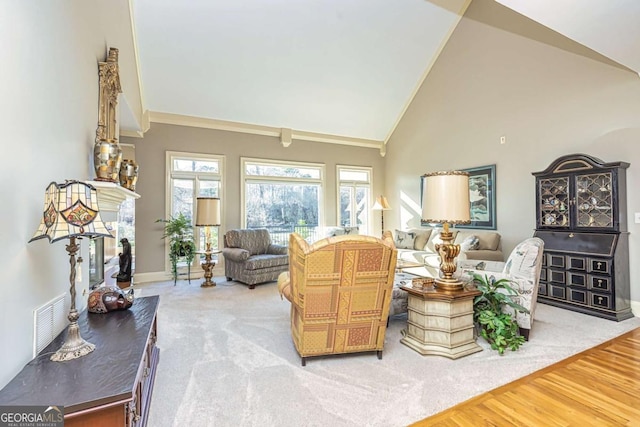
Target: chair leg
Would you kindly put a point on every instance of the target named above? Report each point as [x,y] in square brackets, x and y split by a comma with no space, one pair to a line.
[379,354]
[304,361]
[525,333]
[252,286]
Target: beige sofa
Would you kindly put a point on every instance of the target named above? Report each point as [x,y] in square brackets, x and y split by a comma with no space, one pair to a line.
[418,245]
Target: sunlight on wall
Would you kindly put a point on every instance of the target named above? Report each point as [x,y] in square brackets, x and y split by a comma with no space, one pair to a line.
[410,211]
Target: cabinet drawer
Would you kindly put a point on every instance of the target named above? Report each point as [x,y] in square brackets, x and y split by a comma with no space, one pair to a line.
[600,283]
[556,291]
[543,274]
[578,295]
[576,263]
[542,288]
[597,265]
[554,260]
[556,276]
[600,300]
[576,279]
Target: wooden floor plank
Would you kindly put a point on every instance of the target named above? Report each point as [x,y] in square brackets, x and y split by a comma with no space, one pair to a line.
[598,387]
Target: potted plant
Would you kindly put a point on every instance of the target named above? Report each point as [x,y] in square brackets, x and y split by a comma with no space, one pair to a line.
[500,329]
[179,231]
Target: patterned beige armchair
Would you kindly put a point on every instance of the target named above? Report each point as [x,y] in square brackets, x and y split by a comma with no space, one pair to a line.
[523,270]
[251,258]
[340,290]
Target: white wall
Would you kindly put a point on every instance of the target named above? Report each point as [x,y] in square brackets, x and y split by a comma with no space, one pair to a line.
[150,155]
[49,52]
[548,96]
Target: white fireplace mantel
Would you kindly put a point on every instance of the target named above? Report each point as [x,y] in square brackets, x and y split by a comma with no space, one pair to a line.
[111,196]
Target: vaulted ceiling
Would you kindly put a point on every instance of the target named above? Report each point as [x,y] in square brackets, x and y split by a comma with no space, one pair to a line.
[342,70]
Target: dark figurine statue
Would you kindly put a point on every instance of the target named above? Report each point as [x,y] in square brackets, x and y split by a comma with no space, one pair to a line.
[109,298]
[124,275]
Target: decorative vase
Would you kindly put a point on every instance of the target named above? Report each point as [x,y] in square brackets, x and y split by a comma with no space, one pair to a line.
[128,174]
[107,157]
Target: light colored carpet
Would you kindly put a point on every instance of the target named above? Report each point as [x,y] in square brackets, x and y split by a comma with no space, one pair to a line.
[227,359]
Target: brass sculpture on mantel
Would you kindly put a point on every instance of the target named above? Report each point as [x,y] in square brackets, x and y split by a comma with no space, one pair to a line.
[107,154]
[108,101]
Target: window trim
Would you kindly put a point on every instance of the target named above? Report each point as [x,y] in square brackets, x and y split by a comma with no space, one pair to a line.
[244,179]
[170,175]
[368,184]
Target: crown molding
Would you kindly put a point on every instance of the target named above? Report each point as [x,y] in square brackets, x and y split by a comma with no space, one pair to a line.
[289,134]
[132,133]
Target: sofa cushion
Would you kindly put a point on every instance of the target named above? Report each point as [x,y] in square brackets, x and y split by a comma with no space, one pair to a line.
[470,243]
[340,231]
[257,262]
[404,239]
[487,240]
[422,237]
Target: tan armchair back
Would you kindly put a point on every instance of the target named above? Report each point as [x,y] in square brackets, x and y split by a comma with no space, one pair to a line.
[340,291]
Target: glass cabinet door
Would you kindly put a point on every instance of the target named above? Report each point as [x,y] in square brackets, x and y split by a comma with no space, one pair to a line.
[554,202]
[594,201]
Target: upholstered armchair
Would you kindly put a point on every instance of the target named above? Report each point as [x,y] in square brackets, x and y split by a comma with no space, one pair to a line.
[251,258]
[340,291]
[523,270]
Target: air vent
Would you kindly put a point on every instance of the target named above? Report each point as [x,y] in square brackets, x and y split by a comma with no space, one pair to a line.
[48,321]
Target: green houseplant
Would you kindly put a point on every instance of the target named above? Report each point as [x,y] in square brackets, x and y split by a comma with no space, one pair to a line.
[179,231]
[500,329]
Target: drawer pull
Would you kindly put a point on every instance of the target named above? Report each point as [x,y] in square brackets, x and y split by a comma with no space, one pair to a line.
[599,300]
[600,282]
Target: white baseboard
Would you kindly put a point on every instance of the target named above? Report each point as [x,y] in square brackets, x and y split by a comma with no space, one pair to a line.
[635,307]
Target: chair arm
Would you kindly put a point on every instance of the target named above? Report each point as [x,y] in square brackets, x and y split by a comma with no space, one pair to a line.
[235,254]
[277,249]
[284,285]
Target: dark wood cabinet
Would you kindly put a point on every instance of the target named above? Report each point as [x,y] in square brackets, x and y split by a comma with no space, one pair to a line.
[581,216]
[110,386]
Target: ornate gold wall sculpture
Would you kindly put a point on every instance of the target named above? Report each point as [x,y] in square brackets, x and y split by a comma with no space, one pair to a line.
[107,154]
[108,100]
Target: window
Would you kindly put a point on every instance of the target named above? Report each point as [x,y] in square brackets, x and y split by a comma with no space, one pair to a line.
[282,197]
[354,197]
[191,176]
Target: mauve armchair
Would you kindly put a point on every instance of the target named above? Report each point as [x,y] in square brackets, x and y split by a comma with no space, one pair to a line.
[251,258]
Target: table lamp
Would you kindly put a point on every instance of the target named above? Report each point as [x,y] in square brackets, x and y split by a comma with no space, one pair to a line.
[207,216]
[70,212]
[381,205]
[446,201]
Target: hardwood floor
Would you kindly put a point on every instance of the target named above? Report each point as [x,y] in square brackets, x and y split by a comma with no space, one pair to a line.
[598,387]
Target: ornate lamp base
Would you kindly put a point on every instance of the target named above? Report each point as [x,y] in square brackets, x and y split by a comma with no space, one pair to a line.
[207,266]
[74,346]
[448,253]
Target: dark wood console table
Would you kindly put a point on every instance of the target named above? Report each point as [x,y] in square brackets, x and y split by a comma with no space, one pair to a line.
[111,386]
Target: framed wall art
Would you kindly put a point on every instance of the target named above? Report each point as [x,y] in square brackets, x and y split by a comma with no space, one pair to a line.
[482,195]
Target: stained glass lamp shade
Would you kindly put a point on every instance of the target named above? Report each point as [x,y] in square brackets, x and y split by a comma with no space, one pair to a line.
[70,212]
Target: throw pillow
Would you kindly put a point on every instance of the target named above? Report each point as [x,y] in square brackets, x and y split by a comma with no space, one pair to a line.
[470,243]
[422,237]
[404,239]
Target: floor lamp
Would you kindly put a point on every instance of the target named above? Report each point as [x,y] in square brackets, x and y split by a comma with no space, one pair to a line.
[446,201]
[381,205]
[207,216]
